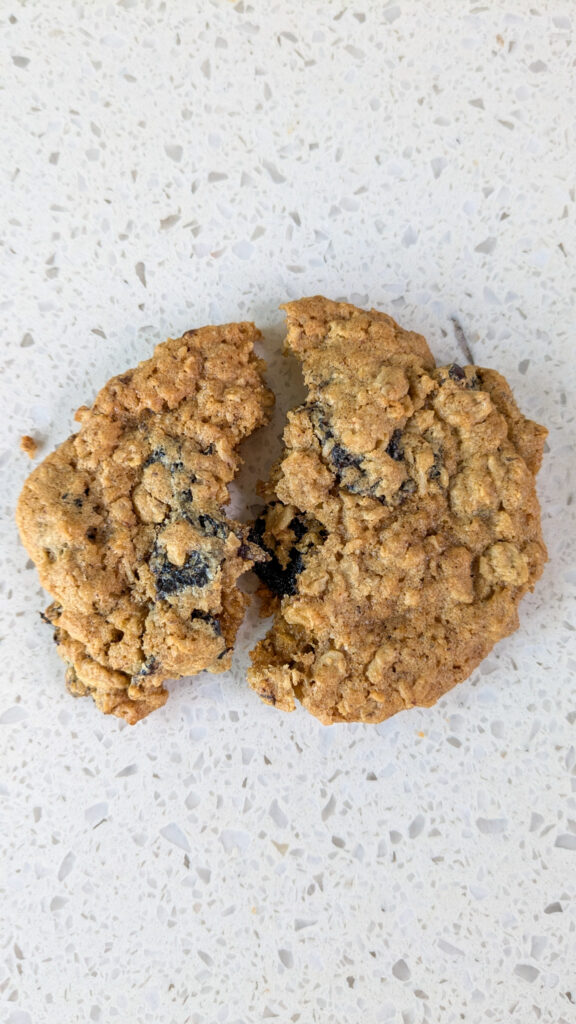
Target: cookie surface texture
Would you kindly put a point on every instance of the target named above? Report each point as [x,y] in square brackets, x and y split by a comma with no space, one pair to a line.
[125,524]
[402,521]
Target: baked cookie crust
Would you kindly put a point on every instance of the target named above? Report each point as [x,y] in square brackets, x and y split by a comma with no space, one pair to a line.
[402,521]
[126,526]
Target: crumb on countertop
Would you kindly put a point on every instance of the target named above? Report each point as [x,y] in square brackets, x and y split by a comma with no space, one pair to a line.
[29,445]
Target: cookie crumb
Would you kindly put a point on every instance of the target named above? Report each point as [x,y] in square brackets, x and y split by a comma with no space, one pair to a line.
[29,445]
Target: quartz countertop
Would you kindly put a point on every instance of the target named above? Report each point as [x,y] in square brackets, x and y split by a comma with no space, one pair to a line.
[165,165]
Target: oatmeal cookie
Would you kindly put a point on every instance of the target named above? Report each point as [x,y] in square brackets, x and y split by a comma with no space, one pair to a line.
[125,524]
[402,521]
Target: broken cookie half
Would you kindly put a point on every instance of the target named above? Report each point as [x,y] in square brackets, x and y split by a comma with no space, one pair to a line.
[402,522]
[126,526]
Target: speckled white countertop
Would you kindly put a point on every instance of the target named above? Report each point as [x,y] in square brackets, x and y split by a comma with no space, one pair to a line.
[168,164]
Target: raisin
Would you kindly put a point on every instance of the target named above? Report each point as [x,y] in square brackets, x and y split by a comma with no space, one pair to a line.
[213,527]
[436,469]
[407,488]
[456,372]
[298,527]
[268,698]
[171,578]
[212,620]
[279,580]
[91,533]
[338,455]
[319,421]
[293,569]
[150,665]
[394,449]
[342,458]
[158,455]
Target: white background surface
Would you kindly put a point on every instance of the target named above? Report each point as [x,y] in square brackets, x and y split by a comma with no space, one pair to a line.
[169,164]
